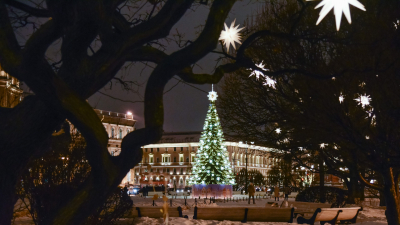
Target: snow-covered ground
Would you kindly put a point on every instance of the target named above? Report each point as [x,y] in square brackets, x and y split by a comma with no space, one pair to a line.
[369,216]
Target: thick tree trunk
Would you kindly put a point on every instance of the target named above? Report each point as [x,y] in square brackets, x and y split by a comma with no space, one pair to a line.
[391,197]
[8,197]
[353,186]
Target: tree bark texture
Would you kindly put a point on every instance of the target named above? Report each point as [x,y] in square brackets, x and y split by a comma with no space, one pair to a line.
[61,95]
[391,197]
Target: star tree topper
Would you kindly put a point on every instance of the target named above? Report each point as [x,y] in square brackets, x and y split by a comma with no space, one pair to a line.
[231,35]
[339,7]
[212,95]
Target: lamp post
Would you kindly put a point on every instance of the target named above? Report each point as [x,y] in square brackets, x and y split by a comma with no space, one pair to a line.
[245,187]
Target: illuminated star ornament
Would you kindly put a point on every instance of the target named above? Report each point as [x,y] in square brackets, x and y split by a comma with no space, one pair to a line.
[231,35]
[269,82]
[257,73]
[212,95]
[363,100]
[341,98]
[278,130]
[339,7]
[322,145]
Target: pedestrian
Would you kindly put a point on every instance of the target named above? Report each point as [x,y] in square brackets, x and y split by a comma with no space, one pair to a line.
[251,190]
[287,192]
[276,190]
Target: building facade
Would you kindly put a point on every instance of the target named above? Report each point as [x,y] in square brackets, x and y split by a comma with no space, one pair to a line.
[169,161]
[10,91]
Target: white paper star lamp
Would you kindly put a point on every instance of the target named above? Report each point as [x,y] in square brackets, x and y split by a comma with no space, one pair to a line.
[231,35]
[339,7]
[278,130]
[341,98]
[269,82]
[322,145]
[363,100]
[258,73]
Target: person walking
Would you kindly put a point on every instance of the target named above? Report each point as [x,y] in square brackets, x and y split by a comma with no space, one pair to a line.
[276,191]
[287,192]
[251,190]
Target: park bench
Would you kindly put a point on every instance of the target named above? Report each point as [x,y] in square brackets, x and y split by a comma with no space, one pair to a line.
[307,207]
[349,215]
[154,212]
[324,215]
[244,214]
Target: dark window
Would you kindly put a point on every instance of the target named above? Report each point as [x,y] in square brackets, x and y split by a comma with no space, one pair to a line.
[174,159]
[174,170]
[151,170]
[174,149]
[187,159]
[181,149]
[145,149]
[158,159]
[151,149]
[167,170]
[181,170]
[158,149]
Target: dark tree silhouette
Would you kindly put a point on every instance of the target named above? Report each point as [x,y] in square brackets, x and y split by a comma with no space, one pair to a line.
[61,85]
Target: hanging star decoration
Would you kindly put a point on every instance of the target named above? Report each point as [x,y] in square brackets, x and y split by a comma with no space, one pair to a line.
[363,100]
[341,98]
[231,35]
[322,145]
[269,82]
[258,73]
[278,130]
[339,7]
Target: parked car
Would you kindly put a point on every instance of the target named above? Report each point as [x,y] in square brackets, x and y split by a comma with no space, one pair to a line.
[134,190]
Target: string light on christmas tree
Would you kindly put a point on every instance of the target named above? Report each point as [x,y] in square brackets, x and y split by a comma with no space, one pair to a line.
[231,35]
[339,7]
[213,160]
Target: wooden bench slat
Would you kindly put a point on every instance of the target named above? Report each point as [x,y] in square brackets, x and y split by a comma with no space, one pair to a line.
[235,214]
[269,214]
[245,214]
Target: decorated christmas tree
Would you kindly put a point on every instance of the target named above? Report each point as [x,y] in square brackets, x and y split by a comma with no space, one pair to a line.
[212,164]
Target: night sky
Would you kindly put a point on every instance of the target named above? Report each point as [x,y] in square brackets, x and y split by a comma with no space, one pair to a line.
[185,106]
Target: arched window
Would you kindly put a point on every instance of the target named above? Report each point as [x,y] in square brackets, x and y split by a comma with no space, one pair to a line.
[112,132]
[120,133]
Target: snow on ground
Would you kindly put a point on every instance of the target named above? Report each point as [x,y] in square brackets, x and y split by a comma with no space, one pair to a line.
[369,216]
